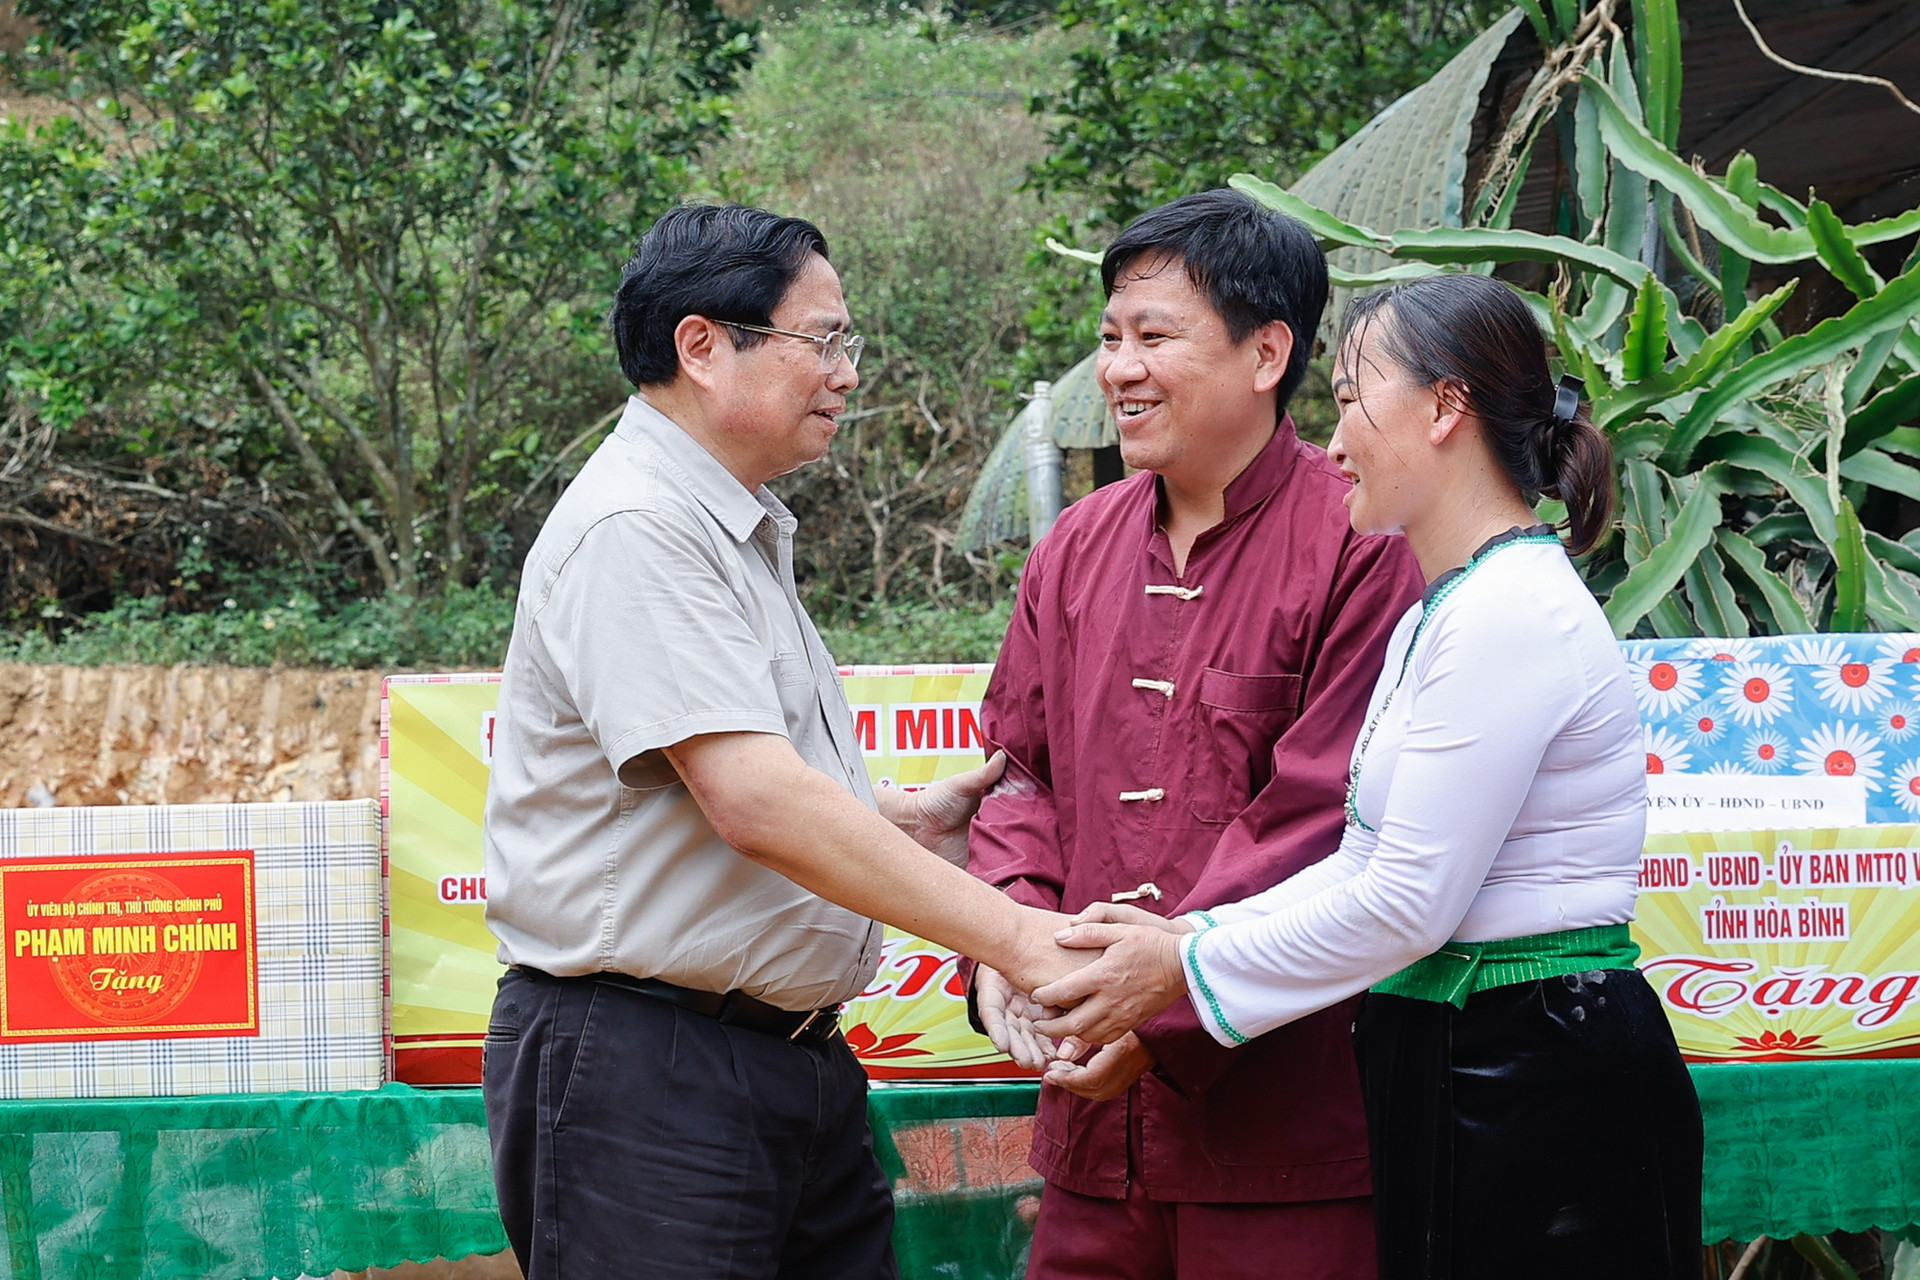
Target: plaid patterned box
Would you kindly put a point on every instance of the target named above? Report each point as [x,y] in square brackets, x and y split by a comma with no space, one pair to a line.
[318,922]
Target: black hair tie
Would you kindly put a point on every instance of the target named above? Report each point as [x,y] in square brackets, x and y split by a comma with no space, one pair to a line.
[1566,399]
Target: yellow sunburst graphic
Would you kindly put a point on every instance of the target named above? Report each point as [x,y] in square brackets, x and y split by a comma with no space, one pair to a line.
[1785,945]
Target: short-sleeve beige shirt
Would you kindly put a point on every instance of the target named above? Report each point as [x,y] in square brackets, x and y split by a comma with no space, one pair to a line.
[658,603]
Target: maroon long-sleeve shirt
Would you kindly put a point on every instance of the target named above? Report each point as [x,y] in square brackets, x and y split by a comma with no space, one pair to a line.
[1193,732]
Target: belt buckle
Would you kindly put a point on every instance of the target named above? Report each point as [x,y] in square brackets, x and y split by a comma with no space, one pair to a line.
[813,1018]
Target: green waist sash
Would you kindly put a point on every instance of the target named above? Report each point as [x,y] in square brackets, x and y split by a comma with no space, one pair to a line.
[1459,969]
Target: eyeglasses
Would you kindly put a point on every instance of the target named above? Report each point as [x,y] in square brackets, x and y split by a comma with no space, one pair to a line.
[832,345]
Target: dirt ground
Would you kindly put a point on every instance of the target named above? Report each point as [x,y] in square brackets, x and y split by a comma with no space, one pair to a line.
[14,33]
[186,735]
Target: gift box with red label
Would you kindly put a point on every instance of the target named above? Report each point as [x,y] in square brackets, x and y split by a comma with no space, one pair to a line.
[190,949]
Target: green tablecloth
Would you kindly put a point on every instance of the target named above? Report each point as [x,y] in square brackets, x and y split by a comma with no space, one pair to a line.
[1810,1147]
[224,1188]
[963,1196]
[244,1185]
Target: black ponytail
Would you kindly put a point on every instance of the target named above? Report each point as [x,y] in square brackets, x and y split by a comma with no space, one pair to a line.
[1582,477]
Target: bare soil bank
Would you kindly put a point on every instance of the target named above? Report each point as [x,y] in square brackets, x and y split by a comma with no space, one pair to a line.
[187,735]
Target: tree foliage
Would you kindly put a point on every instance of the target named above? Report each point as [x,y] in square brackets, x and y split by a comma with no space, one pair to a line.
[1168,97]
[371,240]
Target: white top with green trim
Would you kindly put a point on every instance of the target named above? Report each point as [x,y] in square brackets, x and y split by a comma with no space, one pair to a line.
[1500,791]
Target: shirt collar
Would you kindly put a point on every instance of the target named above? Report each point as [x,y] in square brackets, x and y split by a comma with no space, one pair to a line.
[724,497]
[1256,481]
[1497,540]
[1263,475]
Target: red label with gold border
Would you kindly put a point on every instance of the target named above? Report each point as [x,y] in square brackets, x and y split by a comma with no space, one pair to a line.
[141,946]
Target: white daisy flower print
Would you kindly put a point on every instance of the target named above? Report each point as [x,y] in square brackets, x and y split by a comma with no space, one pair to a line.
[1663,686]
[1765,753]
[1817,651]
[1905,787]
[1665,752]
[1854,687]
[1841,751]
[1843,681]
[1723,649]
[1729,769]
[1708,726]
[1757,692]
[1900,647]
[1897,723]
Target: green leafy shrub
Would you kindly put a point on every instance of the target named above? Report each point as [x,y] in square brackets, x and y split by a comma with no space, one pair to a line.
[373,241]
[462,628]
[920,632]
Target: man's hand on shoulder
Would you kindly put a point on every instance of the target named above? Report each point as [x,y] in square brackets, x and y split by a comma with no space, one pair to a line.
[937,816]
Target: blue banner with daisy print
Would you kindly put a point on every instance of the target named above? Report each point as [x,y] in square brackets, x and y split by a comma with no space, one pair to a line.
[1780,881]
[1832,705]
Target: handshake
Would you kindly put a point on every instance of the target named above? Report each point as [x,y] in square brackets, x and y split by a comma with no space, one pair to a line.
[1102,973]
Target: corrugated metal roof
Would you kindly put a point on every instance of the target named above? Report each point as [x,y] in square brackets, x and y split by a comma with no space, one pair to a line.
[1080,419]
[1407,165]
[1853,144]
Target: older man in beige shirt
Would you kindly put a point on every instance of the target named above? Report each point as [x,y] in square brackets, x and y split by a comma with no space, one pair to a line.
[685,857]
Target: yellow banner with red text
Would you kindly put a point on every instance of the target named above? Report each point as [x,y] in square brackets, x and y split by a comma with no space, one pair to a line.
[1784,945]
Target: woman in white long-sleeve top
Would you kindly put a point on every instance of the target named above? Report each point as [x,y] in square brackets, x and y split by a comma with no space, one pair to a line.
[1528,1110]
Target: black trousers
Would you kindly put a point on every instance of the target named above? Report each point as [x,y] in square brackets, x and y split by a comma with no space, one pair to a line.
[633,1138]
[1549,1128]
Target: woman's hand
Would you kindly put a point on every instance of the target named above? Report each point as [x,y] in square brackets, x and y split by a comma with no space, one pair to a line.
[1140,974]
[1125,913]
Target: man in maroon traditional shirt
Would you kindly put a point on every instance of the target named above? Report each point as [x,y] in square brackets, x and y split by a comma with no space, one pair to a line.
[1188,664]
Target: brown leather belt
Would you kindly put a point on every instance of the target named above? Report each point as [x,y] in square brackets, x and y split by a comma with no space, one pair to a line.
[733,1008]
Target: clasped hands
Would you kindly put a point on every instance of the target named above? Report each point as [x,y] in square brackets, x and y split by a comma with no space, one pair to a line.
[1092,977]
[1077,1027]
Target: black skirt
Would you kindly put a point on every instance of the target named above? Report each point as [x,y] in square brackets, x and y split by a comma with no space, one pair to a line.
[1548,1129]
